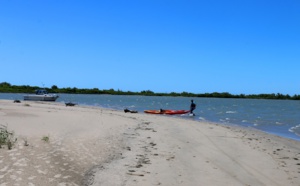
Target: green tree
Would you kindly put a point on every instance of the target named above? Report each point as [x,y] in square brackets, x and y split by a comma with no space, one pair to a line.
[54,87]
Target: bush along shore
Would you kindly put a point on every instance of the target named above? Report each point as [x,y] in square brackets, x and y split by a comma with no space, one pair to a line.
[8,88]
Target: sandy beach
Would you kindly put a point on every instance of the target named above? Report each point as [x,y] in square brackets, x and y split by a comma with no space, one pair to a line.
[93,146]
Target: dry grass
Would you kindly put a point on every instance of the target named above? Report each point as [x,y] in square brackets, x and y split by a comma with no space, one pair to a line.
[7,138]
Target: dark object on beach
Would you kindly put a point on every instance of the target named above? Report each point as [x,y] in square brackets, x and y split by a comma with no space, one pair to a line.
[17,101]
[70,104]
[131,111]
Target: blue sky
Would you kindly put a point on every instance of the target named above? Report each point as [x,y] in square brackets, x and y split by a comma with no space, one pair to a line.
[235,46]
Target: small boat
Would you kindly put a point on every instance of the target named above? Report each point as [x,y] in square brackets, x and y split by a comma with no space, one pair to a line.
[169,112]
[41,95]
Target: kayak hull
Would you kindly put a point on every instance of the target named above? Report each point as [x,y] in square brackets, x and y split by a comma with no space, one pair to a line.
[173,112]
[168,112]
[153,112]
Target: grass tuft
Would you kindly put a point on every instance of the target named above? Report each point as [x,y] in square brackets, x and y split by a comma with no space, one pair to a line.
[46,138]
[25,142]
[7,137]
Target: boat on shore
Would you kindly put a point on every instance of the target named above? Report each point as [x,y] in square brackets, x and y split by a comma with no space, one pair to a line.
[168,112]
[41,95]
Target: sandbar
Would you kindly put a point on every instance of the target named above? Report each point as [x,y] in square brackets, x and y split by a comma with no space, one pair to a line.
[94,146]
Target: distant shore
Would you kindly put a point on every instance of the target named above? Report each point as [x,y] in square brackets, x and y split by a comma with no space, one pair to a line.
[8,88]
[96,146]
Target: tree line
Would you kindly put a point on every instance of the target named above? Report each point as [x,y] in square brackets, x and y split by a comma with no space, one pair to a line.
[8,88]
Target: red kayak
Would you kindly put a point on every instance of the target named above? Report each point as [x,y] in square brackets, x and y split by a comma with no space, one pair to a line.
[169,112]
[172,112]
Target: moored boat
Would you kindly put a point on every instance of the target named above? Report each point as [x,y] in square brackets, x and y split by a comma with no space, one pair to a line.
[41,95]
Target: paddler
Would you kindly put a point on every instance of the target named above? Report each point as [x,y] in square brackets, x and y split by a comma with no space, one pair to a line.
[192,107]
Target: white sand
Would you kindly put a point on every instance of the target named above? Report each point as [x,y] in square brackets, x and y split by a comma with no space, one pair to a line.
[94,146]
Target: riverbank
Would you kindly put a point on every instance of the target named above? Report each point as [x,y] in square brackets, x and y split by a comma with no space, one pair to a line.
[95,146]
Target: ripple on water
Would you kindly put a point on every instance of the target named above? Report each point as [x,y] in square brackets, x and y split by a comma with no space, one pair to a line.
[295,130]
[231,112]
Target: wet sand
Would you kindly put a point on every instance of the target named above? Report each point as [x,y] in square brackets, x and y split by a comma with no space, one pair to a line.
[95,146]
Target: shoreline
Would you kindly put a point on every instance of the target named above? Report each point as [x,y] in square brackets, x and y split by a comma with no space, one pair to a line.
[97,146]
[287,128]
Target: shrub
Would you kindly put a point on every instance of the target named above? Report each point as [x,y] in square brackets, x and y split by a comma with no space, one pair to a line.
[46,138]
[7,137]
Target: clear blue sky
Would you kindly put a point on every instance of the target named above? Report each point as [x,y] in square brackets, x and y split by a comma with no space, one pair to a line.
[200,46]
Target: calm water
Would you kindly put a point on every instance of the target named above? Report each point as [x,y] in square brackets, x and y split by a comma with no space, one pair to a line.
[280,117]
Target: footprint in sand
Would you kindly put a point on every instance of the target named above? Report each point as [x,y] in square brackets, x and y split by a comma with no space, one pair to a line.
[42,172]
[62,184]
[19,171]
[14,177]
[21,162]
[4,169]
[66,177]
[57,176]
[31,177]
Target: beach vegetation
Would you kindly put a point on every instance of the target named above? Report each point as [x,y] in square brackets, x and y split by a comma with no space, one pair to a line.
[46,138]
[25,142]
[7,137]
[8,88]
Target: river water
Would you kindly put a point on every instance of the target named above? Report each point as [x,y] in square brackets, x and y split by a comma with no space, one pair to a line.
[279,117]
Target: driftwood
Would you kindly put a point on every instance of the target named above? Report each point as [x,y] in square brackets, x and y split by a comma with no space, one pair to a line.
[70,104]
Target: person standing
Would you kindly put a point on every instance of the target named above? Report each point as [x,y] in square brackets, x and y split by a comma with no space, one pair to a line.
[192,107]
